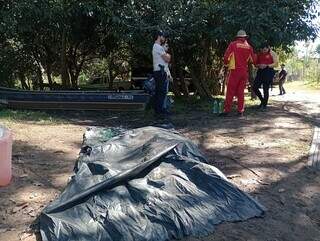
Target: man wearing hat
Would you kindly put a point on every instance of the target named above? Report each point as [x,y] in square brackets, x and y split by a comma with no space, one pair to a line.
[160,59]
[237,57]
[266,61]
[282,79]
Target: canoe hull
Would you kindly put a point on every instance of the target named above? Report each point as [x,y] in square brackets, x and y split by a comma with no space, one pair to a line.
[74,100]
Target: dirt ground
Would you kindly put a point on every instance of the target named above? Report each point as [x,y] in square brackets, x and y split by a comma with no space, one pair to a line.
[264,153]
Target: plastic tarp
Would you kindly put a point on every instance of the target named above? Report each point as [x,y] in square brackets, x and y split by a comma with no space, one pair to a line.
[143,184]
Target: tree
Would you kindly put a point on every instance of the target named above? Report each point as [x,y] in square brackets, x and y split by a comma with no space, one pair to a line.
[201,30]
[59,37]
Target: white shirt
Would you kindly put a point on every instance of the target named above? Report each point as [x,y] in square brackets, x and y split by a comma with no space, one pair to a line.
[157,52]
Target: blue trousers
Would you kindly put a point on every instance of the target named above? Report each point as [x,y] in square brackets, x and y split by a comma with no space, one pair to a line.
[160,78]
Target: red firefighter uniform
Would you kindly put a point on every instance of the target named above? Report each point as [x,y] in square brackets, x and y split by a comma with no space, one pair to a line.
[237,56]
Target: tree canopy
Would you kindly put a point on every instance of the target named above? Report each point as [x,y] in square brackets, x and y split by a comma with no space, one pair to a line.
[43,41]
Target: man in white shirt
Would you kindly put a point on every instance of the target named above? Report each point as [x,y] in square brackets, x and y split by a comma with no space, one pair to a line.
[160,60]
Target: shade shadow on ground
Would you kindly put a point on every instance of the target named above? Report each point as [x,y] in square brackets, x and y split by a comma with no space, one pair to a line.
[236,146]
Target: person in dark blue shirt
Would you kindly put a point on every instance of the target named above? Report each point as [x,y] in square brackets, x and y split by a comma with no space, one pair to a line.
[282,78]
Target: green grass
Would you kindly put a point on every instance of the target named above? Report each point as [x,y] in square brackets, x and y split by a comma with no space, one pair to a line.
[182,105]
[7,115]
[302,86]
[313,86]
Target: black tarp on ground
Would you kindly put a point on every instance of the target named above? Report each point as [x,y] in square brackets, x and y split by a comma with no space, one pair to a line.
[143,184]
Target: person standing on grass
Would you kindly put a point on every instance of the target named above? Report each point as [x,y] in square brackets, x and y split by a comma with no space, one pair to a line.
[160,59]
[266,61]
[282,78]
[236,58]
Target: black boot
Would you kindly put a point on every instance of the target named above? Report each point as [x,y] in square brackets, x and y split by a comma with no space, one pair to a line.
[224,114]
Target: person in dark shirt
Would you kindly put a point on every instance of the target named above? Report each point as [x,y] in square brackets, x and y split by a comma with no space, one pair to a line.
[282,78]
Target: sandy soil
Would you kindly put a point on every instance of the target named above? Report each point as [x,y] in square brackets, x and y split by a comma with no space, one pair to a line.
[264,154]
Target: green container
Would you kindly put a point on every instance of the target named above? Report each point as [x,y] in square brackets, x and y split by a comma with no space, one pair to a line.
[215,107]
[221,106]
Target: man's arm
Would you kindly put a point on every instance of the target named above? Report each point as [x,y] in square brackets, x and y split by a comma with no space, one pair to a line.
[227,54]
[160,51]
[166,57]
[252,57]
[282,75]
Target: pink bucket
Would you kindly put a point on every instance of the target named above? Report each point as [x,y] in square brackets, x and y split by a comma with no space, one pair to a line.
[5,156]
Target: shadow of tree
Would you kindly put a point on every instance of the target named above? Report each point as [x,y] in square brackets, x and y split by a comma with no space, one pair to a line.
[290,211]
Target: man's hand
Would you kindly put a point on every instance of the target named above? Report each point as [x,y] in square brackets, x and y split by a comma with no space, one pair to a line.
[270,65]
[262,66]
[166,57]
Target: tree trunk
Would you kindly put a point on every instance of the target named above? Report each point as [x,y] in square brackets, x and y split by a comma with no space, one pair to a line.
[206,88]
[47,63]
[71,71]
[111,79]
[64,69]
[74,79]
[23,81]
[74,74]
[184,86]
[196,83]
[74,68]
[175,86]
[29,83]
[39,77]
[200,71]
[49,72]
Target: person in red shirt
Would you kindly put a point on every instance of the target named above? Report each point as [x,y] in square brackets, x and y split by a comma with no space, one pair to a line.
[266,61]
[237,57]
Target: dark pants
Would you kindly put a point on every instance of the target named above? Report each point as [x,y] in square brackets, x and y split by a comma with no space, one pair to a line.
[165,102]
[282,90]
[265,78]
[160,78]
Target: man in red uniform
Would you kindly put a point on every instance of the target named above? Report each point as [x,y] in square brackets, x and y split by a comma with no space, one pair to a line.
[237,57]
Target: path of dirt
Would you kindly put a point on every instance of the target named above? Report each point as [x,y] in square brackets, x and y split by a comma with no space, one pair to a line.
[264,154]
